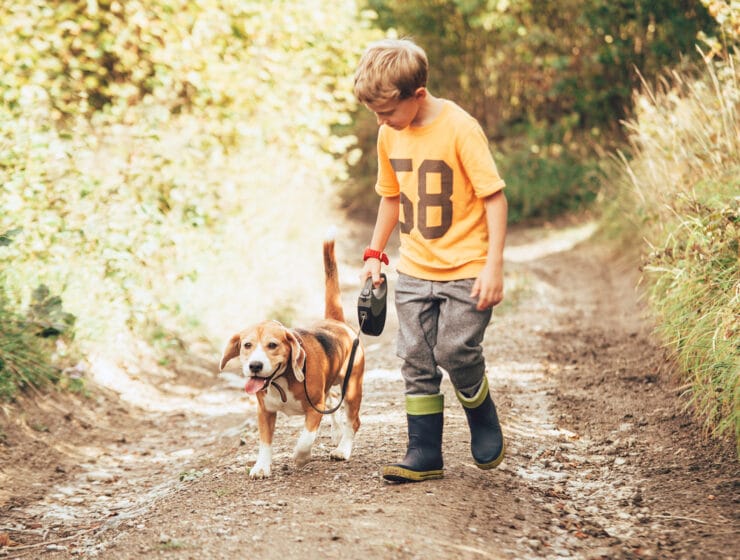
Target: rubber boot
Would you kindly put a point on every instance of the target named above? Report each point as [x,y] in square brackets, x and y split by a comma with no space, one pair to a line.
[423,460]
[486,439]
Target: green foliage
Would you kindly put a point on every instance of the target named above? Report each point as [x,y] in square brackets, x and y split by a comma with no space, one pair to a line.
[695,289]
[163,163]
[679,191]
[557,74]
[544,182]
[28,341]
[536,62]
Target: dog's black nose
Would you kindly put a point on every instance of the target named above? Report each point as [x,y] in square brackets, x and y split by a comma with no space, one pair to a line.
[255,367]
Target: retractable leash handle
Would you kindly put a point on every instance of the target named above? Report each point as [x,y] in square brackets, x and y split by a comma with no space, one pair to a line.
[371,307]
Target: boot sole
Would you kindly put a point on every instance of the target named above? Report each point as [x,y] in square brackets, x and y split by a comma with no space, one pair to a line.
[395,473]
[495,463]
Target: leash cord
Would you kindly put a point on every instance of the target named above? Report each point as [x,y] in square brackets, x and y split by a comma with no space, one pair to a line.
[350,364]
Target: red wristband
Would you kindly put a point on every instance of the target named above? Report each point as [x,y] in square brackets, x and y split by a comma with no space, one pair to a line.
[372,254]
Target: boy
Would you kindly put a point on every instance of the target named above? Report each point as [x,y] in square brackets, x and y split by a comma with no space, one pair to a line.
[437,179]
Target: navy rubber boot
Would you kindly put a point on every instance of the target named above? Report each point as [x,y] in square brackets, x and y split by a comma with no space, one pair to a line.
[486,438]
[423,460]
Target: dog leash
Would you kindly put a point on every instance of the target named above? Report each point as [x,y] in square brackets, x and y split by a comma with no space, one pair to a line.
[371,310]
[350,364]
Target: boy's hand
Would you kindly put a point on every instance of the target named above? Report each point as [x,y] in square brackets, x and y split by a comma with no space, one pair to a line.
[371,269]
[489,287]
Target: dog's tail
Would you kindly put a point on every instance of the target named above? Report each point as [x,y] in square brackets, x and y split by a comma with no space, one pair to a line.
[333,297]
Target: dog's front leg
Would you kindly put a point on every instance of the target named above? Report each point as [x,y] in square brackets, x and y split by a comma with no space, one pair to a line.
[302,453]
[266,422]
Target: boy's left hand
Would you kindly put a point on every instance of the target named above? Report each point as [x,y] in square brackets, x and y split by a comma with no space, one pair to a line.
[488,287]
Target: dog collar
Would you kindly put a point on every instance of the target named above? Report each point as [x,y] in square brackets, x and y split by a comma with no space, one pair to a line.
[283,396]
[269,383]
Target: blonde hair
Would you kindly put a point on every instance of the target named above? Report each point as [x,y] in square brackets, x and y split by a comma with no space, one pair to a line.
[390,69]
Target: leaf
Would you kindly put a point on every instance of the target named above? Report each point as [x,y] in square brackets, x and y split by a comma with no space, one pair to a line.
[7,237]
[5,540]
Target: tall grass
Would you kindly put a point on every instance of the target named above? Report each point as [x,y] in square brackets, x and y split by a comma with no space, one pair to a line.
[680,192]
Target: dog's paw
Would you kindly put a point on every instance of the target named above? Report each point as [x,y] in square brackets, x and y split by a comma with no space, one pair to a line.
[260,471]
[341,453]
[301,457]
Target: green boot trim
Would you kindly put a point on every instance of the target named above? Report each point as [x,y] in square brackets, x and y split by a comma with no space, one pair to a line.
[419,405]
[476,400]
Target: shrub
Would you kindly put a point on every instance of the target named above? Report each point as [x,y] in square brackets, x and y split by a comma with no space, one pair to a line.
[679,191]
[170,167]
[28,341]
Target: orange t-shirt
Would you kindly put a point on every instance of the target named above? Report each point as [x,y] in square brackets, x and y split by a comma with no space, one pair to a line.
[442,172]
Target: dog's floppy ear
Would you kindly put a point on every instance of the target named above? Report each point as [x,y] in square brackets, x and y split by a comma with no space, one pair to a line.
[231,350]
[298,354]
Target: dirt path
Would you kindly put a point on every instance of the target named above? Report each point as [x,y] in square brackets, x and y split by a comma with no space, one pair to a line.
[602,463]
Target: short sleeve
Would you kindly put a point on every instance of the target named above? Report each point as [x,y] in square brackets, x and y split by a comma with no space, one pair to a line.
[387,183]
[478,163]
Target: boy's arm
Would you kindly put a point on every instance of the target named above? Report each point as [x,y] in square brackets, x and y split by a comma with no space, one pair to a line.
[388,213]
[489,286]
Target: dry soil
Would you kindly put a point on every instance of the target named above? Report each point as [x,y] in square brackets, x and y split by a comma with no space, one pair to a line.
[603,461]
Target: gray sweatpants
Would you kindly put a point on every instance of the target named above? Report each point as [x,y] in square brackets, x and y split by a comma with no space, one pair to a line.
[439,330]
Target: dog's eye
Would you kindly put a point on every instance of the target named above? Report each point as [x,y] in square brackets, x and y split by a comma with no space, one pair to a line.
[272,345]
[247,345]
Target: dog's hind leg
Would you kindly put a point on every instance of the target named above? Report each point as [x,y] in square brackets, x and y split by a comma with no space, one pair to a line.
[344,448]
[332,399]
[351,423]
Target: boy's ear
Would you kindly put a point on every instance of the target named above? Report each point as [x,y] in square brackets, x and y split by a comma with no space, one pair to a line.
[420,93]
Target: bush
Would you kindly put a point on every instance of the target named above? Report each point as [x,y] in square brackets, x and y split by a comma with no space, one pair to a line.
[544,182]
[556,75]
[694,287]
[679,191]
[28,341]
[170,167]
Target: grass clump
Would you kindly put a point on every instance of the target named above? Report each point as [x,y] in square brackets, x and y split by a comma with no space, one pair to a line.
[28,342]
[679,192]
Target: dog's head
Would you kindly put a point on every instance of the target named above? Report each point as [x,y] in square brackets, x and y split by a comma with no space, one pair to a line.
[265,351]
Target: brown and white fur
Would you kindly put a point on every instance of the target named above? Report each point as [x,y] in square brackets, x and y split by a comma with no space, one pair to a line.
[275,359]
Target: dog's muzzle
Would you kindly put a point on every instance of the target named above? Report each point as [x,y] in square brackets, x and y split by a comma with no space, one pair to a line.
[255,383]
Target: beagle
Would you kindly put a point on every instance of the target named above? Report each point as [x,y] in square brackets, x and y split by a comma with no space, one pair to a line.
[276,360]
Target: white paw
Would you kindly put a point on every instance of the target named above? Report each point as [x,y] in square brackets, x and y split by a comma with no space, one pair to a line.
[262,467]
[260,471]
[302,452]
[343,451]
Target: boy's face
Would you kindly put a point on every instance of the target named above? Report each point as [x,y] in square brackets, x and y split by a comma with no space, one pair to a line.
[398,114]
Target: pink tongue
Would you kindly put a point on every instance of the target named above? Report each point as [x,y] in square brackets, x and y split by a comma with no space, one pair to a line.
[254,385]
